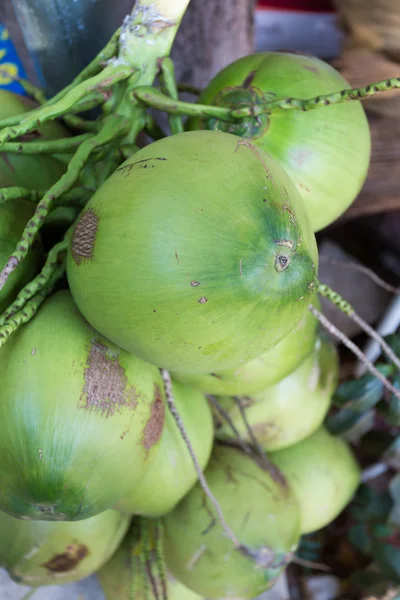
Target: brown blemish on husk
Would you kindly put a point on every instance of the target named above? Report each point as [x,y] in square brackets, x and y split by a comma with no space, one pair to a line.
[68,560]
[249,78]
[155,425]
[202,300]
[106,387]
[84,237]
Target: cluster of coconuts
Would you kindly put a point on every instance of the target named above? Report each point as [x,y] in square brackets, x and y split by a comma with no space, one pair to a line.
[197,255]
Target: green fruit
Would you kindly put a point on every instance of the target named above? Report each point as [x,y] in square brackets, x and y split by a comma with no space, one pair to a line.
[171,473]
[324,475]
[325,151]
[196,254]
[261,511]
[117,576]
[13,217]
[264,370]
[41,553]
[81,418]
[292,409]
[30,171]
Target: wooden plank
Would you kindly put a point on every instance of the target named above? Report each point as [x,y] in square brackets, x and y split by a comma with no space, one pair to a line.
[381,191]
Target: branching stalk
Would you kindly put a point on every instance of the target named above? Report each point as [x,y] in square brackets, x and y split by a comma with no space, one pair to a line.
[335,98]
[75,197]
[31,307]
[46,146]
[40,281]
[339,335]
[156,99]
[114,127]
[110,76]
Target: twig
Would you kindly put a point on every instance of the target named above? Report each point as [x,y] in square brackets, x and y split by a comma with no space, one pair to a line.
[303,562]
[333,330]
[369,272]
[225,415]
[178,420]
[346,308]
[270,467]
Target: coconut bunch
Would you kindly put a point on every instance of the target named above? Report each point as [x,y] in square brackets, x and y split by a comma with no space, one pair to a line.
[165,383]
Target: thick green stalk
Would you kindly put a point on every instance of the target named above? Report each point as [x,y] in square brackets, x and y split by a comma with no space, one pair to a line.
[336,98]
[114,127]
[147,36]
[156,99]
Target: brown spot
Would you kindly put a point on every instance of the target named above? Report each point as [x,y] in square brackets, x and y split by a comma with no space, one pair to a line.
[312,69]
[155,425]
[194,283]
[241,267]
[177,257]
[106,386]
[203,300]
[287,243]
[140,164]
[246,83]
[84,237]
[68,560]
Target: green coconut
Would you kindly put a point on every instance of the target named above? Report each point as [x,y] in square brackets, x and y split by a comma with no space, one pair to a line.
[118,577]
[81,418]
[171,473]
[262,512]
[324,475]
[292,409]
[39,171]
[196,254]
[264,370]
[325,151]
[13,217]
[39,553]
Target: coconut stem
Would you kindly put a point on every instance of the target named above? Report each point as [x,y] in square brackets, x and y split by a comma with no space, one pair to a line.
[270,467]
[202,480]
[168,85]
[73,197]
[348,310]
[360,93]
[362,269]
[156,99]
[113,128]
[40,281]
[47,146]
[30,309]
[335,332]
